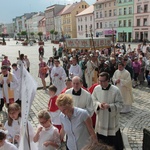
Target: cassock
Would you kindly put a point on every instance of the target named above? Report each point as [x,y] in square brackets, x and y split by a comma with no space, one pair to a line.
[75,70]
[82,99]
[58,81]
[8,89]
[125,85]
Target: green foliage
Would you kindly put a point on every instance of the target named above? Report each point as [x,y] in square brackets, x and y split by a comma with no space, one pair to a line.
[40,35]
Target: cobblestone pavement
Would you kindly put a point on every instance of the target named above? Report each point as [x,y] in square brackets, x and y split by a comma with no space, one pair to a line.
[132,124]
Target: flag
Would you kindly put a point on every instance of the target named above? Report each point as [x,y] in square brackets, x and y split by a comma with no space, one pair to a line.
[28,91]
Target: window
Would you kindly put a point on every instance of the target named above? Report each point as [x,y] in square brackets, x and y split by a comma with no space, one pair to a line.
[105,24]
[77,12]
[138,22]
[100,14]
[130,10]
[82,6]
[115,24]
[119,1]
[90,18]
[105,4]
[85,18]
[145,22]
[124,23]
[120,11]
[129,23]
[109,13]
[110,24]
[85,6]
[96,14]
[114,3]
[78,28]
[101,26]
[105,13]
[120,23]
[137,35]
[145,8]
[138,8]
[125,11]
[81,28]
[86,27]
[97,25]
[125,1]
[115,12]
[109,4]
[78,19]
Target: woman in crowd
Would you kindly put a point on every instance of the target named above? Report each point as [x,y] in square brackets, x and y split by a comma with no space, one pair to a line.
[42,72]
[50,65]
[76,123]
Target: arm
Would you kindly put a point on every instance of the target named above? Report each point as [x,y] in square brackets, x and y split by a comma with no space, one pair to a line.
[36,137]
[88,123]
[62,132]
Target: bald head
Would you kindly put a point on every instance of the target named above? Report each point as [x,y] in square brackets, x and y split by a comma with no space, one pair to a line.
[76,83]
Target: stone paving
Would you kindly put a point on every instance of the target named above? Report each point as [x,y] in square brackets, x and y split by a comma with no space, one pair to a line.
[132,124]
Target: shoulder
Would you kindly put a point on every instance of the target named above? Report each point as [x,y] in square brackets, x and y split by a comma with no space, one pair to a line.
[69,91]
[10,146]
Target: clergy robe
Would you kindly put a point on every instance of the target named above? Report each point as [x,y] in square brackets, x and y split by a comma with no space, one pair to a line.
[125,85]
[59,83]
[8,90]
[8,146]
[107,121]
[89,73]
[75,71]
[83,101]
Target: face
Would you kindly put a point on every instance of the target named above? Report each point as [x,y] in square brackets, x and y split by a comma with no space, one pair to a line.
[69,84]
[2,142]
[56,62]
[103,82]
[45,123]
[51,93]
[76,84]
[4,71]
[14,114]
[74,61]
[66,110]
[120,67]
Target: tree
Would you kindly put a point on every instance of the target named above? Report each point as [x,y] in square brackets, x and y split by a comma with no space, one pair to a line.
[19,35]
[32,34]
[55,33]
[40,35]
[52,32]
[24,33]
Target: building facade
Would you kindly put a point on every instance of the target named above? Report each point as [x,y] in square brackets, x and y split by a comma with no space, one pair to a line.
[50,14]
[105,13]
[141,29]
[125,9]
[42,27]
[68,18]
[85,23]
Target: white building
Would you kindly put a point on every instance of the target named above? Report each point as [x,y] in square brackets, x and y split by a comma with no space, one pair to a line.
[85,22]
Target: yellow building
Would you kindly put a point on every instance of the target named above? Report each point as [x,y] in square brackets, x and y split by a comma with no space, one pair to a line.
[68,18]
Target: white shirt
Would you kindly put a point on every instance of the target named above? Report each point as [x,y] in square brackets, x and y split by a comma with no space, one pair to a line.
[8,146]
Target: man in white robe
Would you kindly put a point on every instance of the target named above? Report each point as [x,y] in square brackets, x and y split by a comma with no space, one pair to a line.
[75,69]
[89,72]
[108,102]
[81,97]
[122,80]
[9,84]
[58,76]
[17,73]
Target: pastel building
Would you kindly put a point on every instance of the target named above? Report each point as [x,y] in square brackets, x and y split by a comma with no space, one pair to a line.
[85,22]
[125,9]
[105,14]
[141,29]
[68,18]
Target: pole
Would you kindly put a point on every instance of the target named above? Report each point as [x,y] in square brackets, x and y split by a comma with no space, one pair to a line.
[113,40]
[93,44]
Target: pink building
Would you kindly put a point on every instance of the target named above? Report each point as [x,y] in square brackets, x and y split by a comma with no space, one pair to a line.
[141,28]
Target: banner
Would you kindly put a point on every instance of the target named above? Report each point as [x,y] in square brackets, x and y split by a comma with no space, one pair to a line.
[28,91]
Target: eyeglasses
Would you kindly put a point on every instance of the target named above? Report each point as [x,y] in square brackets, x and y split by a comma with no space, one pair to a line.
[43,122]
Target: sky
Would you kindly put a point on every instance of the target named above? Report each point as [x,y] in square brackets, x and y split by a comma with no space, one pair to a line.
[10,9]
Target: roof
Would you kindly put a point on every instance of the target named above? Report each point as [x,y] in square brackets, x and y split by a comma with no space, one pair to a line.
[70,9]
[63,10]
[101,1]
[88,10]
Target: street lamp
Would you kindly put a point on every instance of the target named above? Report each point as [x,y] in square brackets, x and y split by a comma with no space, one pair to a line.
[92,38]
[86,31]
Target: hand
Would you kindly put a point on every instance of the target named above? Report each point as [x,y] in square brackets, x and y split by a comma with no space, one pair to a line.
[17,138]
[2,82]
[60,78]
[55,74]
[39,129]
[47,143]
[105,105]
[118,81]
[8,81]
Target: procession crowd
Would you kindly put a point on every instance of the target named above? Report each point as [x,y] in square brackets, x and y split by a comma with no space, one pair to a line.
[88,91]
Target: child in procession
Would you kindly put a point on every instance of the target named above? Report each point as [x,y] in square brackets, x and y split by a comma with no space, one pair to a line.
[47,135]
[52,107]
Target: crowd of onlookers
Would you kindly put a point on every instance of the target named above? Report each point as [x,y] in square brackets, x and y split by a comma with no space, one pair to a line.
[83,84]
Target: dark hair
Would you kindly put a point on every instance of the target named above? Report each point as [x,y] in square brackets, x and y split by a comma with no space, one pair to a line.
[13,107]
[21,56]
[68,79]
[2,136]
[120,63]
[105,74]
[14,65]
[4,67]
[53,88]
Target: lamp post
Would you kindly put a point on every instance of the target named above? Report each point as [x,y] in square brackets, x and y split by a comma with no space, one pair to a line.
[86,31]
[123,35]
[113,40]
